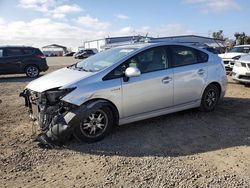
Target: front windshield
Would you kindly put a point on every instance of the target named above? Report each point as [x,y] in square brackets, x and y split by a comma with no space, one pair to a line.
[103,59]
[244,49]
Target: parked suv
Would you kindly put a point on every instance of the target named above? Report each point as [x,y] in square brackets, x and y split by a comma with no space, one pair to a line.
[16,59]
[122,85]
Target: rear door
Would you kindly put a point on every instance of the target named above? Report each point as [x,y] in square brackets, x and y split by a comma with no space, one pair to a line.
[11,61]
[190,73]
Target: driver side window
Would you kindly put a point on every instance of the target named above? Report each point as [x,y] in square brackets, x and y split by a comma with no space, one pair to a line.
[150,60]
[154,59]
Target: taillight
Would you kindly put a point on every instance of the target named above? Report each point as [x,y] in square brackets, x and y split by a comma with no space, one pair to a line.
[41,56]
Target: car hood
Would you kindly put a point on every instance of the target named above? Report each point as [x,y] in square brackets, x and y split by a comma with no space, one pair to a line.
[230,55]
[57,79]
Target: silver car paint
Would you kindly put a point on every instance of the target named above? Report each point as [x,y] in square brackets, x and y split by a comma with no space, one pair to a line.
[149,95]
[57,79]
[148,92]
[189,82]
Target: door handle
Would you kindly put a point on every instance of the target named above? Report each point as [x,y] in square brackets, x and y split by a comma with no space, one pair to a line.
[166,80]
[201,71]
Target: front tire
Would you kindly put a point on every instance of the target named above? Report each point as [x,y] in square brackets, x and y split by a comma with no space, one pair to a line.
[32,71]
[95,127]
[210,98]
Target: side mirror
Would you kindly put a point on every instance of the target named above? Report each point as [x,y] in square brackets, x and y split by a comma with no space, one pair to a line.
[132,72]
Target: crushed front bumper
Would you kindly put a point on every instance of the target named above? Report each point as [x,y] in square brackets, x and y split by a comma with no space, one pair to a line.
[52,119]
[56,120]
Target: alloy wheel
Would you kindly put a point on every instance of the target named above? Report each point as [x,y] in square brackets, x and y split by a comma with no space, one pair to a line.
[211,98]
[95,124]
[32,71]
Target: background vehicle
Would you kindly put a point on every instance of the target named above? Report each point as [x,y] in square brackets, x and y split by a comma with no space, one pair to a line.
[69,54]
[16,59]
[122,85]
[234,54]
[82,54]
[241,69]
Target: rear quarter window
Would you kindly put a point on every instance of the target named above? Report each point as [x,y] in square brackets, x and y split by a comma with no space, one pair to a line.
[202,56]
[1,52]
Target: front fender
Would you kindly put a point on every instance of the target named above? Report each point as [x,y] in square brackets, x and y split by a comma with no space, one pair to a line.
[77,115]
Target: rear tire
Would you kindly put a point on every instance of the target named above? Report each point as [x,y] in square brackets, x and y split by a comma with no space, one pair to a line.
[210,98]
[32,71]
[95,127]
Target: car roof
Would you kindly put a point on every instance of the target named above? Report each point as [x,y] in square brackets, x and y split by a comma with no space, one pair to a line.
[155,44]
[15,46]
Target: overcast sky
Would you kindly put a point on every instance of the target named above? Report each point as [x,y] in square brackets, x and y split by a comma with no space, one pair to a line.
[71,22]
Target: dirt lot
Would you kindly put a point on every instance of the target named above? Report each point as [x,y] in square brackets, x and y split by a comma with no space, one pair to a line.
[185,149]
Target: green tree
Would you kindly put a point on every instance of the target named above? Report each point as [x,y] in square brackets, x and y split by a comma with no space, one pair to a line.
[240,38]
[218,35]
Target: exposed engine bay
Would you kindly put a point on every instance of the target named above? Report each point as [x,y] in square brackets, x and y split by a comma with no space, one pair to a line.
[56,118]
[48,113]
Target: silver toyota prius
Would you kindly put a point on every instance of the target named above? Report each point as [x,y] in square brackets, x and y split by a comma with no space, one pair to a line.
[123,85]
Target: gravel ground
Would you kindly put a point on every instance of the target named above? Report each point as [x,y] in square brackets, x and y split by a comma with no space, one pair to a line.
[184,149]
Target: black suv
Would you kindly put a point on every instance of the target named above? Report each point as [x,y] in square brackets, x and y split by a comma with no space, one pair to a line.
[16,59]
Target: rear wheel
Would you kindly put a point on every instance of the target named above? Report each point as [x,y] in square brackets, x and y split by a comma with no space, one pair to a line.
[32,71]
[96,126]
[210,98]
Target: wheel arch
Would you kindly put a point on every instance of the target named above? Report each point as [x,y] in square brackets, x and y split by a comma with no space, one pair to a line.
[31,64]
[216,84]
[107,103]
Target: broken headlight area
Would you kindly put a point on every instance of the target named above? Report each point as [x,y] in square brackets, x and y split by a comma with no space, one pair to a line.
[47,110]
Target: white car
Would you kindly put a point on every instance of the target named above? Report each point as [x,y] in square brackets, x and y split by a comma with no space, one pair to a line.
[234,54]
[241,69]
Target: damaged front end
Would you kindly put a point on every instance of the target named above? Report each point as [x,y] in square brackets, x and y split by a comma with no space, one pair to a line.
[52,115]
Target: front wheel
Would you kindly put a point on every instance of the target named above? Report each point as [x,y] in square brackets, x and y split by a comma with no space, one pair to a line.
[210,98]
[95,127]
[32,71]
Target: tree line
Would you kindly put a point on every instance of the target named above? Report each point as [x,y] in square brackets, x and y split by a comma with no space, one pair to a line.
[240,38]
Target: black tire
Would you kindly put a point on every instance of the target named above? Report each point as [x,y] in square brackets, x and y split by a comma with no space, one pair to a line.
[32,71]
[210,98]
[83,133]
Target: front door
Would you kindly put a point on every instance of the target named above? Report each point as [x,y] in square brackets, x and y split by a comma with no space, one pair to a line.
[153,89]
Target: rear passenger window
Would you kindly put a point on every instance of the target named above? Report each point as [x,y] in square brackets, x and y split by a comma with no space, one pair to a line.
[183,55]
[13,52]
[1,52]
[28,51]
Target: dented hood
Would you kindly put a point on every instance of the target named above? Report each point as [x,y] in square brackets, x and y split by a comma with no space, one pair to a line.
[57,79]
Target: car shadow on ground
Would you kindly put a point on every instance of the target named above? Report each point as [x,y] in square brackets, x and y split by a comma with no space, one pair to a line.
[179,134]
[16,79]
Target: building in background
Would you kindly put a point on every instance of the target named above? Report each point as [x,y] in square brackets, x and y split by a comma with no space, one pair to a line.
[54,50]
[192,39]
[106,43]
